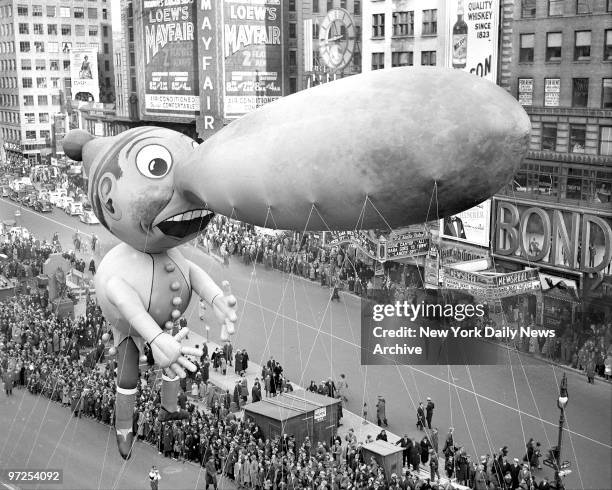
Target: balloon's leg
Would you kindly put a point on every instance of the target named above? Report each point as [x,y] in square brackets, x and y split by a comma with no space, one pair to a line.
[169,399]
[127,380]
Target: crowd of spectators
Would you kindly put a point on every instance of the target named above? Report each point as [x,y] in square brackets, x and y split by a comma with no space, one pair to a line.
[589,350]
[60,358]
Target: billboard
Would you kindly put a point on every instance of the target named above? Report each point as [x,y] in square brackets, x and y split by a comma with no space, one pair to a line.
[473,28]
[471,226]
[253,54]
[84,75]
[171,86]
[552,236]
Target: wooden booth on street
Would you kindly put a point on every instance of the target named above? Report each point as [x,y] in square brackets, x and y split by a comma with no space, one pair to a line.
[299,413]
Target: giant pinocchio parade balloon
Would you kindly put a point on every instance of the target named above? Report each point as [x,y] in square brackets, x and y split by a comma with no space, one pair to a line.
[313,160]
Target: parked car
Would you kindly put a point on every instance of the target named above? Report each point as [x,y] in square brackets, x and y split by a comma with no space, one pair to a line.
[74,208]
[42,206]
[55,196]
[6,191]
[63,202]
[88,217]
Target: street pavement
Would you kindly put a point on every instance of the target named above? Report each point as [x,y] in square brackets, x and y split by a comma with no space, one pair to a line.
[37,433]
[489,406]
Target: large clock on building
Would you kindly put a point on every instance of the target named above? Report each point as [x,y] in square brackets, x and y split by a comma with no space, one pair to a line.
[337,39]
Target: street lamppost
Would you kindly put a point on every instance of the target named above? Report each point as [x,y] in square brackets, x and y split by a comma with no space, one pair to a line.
[561,403]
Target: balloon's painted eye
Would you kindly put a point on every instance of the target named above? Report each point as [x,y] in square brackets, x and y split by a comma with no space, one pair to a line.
[154,161]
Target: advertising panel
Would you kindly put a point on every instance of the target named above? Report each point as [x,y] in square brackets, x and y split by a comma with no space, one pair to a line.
[525,91]
[471,226]
[84,75]
[252,36]
[555,237]
[170,50]
[552,89]
[473,36]
[210,74]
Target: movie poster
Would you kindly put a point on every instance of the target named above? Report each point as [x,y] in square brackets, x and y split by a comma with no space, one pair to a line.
[84,75]
[170,55]
[252,36]
[471,226]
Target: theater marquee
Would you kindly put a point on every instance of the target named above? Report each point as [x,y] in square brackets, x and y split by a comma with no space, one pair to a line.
[552,236]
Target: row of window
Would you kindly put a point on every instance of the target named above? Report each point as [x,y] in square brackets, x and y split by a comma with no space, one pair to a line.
[316,5]
[9,100]
[63,12]
[557,8]
[9,117]
[11,134]
[30,134]
[554,44]
[53,47]
[403,58]
[552,92]
[403,23]
[562,181]
[54,65]
[30,117]
[42,100]
[577,138]
[64,29]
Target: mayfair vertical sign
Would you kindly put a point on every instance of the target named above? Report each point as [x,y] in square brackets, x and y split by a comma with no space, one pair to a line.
[551,236]
[170,68]
[210,59]
[253,54]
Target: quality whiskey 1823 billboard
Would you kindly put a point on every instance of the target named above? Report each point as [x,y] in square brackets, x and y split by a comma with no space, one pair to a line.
[473,36]
[253,53]
[170,58]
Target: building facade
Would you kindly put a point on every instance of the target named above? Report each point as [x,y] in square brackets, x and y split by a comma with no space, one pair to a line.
[404,33]
[556,59]
[37,38]
[304,21]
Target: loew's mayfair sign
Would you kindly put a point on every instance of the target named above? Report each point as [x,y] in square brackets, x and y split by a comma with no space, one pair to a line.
[552,236]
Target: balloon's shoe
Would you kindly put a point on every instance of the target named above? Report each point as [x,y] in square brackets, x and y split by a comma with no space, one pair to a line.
[125,442]
[165,415]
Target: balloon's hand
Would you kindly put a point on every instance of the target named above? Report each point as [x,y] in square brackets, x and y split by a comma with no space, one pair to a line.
[168,353]
[225,311]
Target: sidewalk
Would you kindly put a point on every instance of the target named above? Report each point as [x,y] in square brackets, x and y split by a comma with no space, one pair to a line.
[350,420]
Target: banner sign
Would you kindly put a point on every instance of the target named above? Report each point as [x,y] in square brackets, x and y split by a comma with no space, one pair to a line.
[432,267]
[360,239]
[209,55]
[253,54]
[170,50]
[401,249]
[84,75]
[491,287]
[552,89]
[550,236]
[471,226]
[525,91]
[473,36]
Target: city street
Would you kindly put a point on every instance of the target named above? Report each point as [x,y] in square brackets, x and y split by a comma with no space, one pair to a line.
[37,433]
[293,320]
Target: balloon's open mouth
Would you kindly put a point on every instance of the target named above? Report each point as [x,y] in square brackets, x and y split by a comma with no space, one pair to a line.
[187,223]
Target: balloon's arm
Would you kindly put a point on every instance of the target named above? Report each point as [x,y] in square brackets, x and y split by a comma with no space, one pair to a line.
[126,299]
[202,284]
